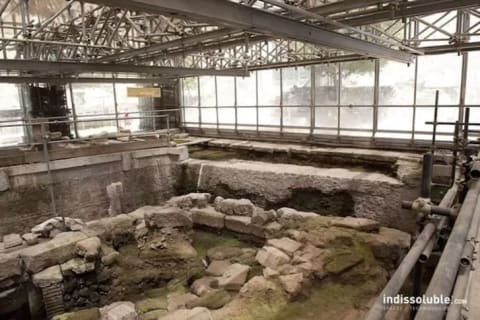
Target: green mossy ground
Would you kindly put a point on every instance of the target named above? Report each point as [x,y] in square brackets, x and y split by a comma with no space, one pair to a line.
[204,240]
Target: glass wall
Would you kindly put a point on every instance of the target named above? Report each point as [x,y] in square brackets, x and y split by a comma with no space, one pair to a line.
[368,98]
[10,109]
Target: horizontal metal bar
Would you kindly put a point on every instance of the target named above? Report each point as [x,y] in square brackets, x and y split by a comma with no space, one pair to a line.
[71,67]
[59,80]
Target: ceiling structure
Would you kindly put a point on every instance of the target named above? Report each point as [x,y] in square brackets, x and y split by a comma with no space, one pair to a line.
[178,38]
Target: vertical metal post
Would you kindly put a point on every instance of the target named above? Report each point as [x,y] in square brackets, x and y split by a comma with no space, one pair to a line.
[312,100]
[455,152]
[256,102]
[74,111]
[463,86]
[466,128]
[339,100]
[199,104]
[414,118]
[427,175]
[376,97]
[216,104]
[27,130]
[154,112]
[435,119]
[235,103]
[281,102]
[115,104]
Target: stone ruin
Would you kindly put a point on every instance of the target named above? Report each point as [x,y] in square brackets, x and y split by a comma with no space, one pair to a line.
[68,269]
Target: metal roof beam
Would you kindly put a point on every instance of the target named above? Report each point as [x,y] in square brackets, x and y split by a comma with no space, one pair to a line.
[76,68]
[57,80]
[239,16]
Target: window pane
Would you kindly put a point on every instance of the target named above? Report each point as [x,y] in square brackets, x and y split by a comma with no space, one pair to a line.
[247,115]
[226,91]
[390,118]
[397,82]
[439,72]
[128,107]
[191,115]
[326,117]
[10,110]
[358,78]
[247,91]
[269,116]
[226,115]
[269,87]
[207,91]
[296,116]
[356,117]
[427,114]
[91,101]
[326,84]
[296,86]
[190,92]
[209,115]
[473,79]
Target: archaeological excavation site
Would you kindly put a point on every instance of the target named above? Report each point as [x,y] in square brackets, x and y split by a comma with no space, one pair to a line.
[239,160]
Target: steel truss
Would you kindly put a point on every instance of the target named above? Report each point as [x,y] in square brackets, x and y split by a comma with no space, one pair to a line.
[79,31]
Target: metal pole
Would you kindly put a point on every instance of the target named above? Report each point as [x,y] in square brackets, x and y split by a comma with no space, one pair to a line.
[381,305]
[74,111]
[427,175]
[115,105]
[445,274]
[435,118]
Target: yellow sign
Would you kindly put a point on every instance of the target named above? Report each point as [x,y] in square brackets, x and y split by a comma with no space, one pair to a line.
[144,92]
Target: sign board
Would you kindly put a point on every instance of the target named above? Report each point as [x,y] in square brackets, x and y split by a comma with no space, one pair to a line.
[144,92]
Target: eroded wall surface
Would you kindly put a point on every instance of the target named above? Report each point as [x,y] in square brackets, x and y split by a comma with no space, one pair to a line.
[148,178]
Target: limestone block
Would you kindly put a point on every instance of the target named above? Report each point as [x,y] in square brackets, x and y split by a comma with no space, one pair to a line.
[288,213]
[270,273]
[240,224]
[271,257]
[115,195]
[360,224]
[218,267]
[214,299]
[12,240]
[234,277]
[203,285]
[238,207]
[177,301]
[4,183]
[261,217]
[30,238]
[188,201]
[273,229]
[48,277]
[10,265]
[198,313]
[77,266]
[292,283]
[167,217]
[88,248]
[55,251]
[122,310]
[285,244]
[208,217]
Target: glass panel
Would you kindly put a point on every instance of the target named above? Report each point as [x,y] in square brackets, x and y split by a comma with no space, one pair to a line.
[391,118]
[358,79]
[397,82]
[326,117]
[356,117]
[296,86]
[269,116]
[296,116]
[473,79]
[10,109]
[226,115]
[226,91]
[191,115]
[247,115]
[209,115]
[426,115]
[128,107]
[207,91]
[247,90]
[326,84]
[190,92]
[269,87]
[439,72]
[94,101]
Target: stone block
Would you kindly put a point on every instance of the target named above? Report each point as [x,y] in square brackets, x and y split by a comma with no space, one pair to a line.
[48,277]
[89,248]
[288,213]
[12,240]
[188,201]
[271,257]
[234,277]
[122,310]
[287,245]
[30,238]
[218,267]
[240,224]
[4,182]
[292,283]
[55,251]
[167,217]
[208,217]
[77,266]
[10,265]
[360,224]
[237,207]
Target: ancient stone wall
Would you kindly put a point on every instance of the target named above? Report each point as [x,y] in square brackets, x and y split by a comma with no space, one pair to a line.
[148,178]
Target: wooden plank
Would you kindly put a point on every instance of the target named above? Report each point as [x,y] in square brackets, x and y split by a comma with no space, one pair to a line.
[144,92]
